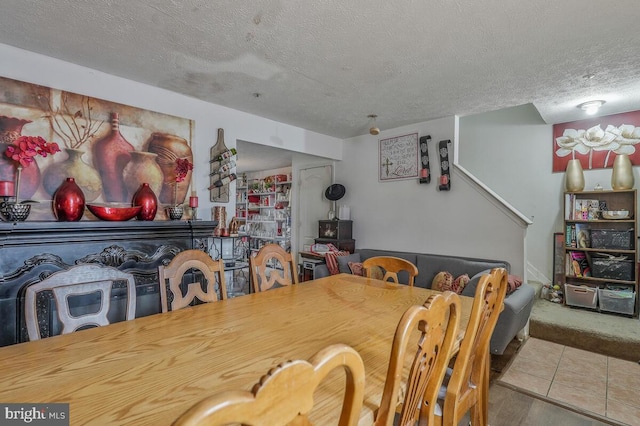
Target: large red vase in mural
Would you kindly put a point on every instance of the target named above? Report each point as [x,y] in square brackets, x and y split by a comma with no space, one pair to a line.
[111,154]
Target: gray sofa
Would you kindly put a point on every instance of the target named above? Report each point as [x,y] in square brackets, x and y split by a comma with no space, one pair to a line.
[517,305]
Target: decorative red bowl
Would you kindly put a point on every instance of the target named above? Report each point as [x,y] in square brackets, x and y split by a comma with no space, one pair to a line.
[114,213]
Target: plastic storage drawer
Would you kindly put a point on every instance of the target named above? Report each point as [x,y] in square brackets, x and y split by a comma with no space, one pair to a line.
[581,296]
[621,302]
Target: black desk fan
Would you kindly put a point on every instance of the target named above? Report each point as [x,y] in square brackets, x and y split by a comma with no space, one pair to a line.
[333,193]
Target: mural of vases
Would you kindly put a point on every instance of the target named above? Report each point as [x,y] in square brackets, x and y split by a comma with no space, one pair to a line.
[169,148]
[111,154]
[142,168]
[68,202]
[146,198]
[86,177]
[10,130]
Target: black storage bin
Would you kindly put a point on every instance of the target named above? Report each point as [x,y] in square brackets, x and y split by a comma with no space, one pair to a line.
[612,239]
[612,268]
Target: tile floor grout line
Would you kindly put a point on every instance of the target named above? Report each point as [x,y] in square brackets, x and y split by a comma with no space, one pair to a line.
[555,371]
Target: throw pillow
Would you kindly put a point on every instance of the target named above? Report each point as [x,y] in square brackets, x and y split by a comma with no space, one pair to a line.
[377,273]
[470,288]
[459,283]
[343,261]
[330,259]
[442,281]
[514,282]
[356,268]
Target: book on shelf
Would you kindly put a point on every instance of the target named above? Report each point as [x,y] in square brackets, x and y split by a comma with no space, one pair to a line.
[578,264]
[569,200]
[582,235]
[584,209]
[570,235]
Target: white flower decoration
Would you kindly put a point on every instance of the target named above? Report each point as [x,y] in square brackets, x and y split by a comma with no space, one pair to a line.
[620,140]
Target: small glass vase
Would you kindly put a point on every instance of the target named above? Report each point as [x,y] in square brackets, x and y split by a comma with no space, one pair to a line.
[15,212]
[175,212]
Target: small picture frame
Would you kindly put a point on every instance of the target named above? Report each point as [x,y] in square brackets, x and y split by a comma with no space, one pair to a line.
[558,258]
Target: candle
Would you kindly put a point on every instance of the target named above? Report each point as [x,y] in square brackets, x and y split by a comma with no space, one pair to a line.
[193,201]
[7,188]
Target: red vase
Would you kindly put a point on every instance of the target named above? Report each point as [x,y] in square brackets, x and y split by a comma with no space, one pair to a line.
[10,130]
[110,156]
[68,202]
[146,198]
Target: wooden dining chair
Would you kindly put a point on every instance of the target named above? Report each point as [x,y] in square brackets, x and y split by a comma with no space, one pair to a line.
[76,282]
[437,322]
[467,389]
[391,266]
[284,396]
[272,266]
[196,266]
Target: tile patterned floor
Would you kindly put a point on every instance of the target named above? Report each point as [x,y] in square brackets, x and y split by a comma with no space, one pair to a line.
[591,382]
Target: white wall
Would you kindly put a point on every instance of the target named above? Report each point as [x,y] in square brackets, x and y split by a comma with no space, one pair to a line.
[407,216]
[38,69]
[396,215]
[511,152]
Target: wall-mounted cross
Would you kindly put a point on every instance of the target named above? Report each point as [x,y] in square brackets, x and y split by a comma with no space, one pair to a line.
[387,163]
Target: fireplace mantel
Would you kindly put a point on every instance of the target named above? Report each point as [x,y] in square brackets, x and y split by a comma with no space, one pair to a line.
[31,251]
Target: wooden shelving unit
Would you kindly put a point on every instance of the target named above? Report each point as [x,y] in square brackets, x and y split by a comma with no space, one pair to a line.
[600,251]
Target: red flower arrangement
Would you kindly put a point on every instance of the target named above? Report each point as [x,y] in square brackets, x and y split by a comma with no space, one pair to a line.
[25,148]
[182,168]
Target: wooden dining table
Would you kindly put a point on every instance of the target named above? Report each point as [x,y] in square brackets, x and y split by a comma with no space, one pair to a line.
[150,370]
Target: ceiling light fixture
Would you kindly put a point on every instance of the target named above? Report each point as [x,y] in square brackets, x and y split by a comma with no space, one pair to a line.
[373,129]
[591,107]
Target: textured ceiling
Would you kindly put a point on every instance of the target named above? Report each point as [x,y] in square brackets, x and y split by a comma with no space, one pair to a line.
[325,65]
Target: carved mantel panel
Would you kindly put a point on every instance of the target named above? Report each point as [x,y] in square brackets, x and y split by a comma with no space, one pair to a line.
[31,251]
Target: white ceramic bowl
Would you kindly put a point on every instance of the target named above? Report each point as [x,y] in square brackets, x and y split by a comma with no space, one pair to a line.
[615,214]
